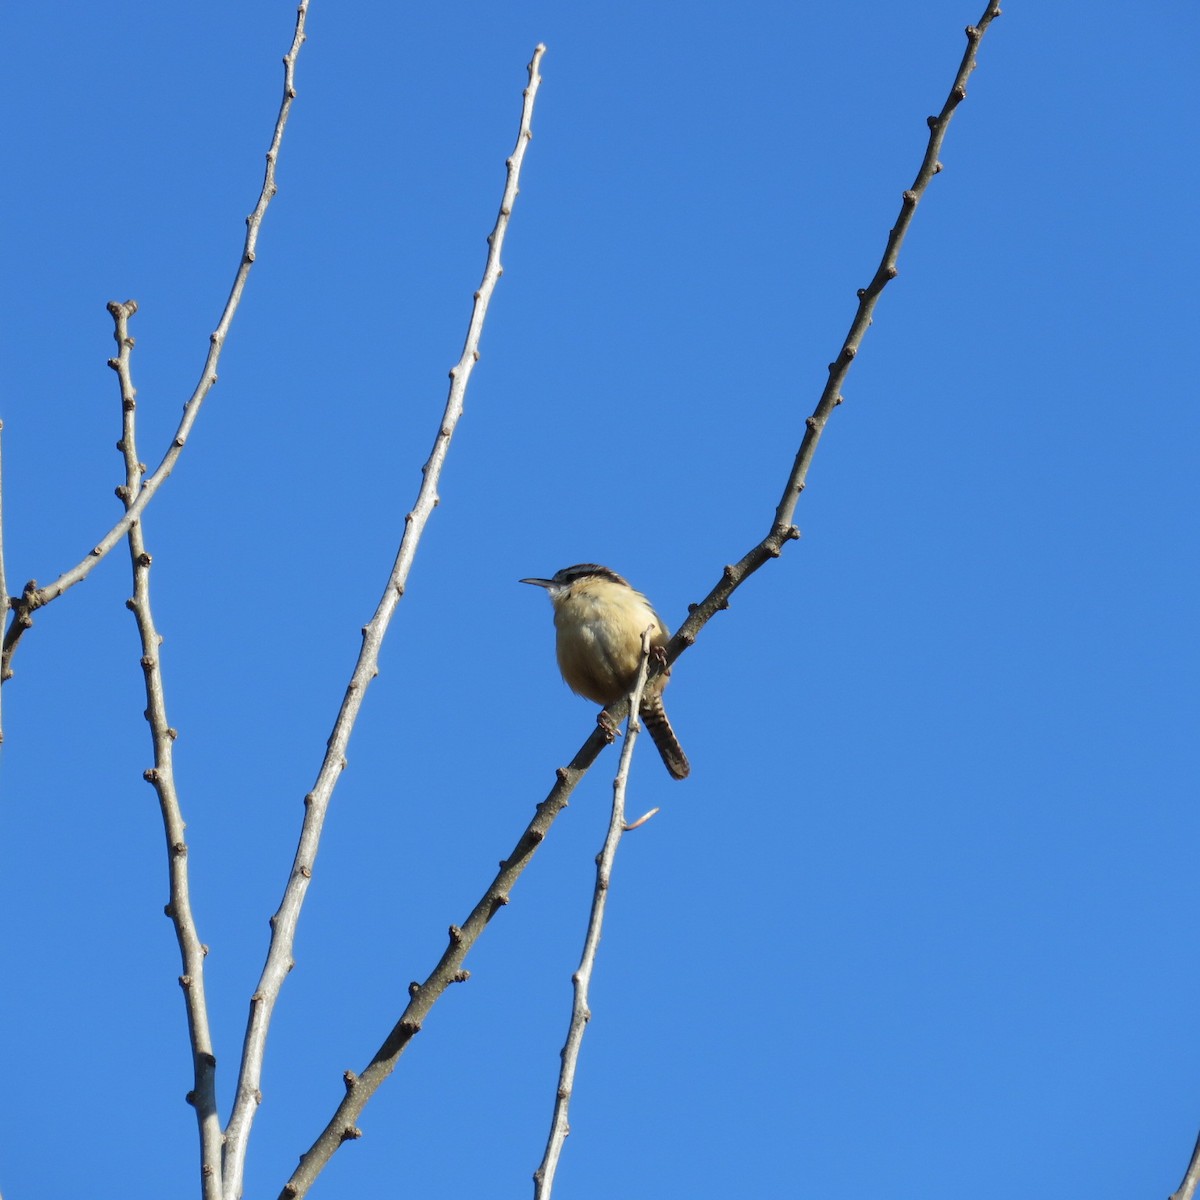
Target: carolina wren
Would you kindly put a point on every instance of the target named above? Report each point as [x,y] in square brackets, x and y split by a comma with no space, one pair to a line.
[600,620]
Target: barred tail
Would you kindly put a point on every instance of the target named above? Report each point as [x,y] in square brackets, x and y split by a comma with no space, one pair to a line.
[655,717]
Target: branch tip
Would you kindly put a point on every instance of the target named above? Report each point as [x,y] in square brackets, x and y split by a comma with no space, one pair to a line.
[641,820]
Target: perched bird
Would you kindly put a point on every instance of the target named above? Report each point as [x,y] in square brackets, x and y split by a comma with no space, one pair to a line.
[600,620]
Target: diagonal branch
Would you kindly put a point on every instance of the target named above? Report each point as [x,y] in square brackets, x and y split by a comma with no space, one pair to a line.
[449,969]
[581,1013]
[283,923]
[342,1125]
[34,597]
[1191,1178]
[203,1096]
[782,530]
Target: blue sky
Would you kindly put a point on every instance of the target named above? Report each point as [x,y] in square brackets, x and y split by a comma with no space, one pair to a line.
[925,909]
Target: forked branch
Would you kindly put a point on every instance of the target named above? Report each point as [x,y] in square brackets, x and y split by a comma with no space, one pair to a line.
[33,597]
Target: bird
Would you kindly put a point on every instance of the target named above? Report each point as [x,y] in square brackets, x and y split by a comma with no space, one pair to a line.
[600,619]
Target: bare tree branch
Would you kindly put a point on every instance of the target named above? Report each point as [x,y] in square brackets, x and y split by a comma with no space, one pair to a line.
[581,1013]
[4,609]
[342,1125]
[1191,1178]
[203,1096]
[33,597]
[283,923]
[782,531]
[359,1088]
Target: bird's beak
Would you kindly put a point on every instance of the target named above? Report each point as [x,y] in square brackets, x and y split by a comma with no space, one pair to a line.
[538,582]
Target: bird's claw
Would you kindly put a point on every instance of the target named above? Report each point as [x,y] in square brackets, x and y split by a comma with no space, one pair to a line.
[609,726]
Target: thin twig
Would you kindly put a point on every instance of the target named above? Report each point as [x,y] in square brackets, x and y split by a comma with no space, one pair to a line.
[34,597]
[449,969]
[203,1095]
[4,609]
[581,1013]
[283,924]
[1191,1178]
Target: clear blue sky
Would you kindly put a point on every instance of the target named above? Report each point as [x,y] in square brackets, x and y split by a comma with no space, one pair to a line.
[925,913]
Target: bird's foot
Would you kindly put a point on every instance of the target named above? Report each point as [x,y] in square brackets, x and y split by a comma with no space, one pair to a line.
[609,726]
